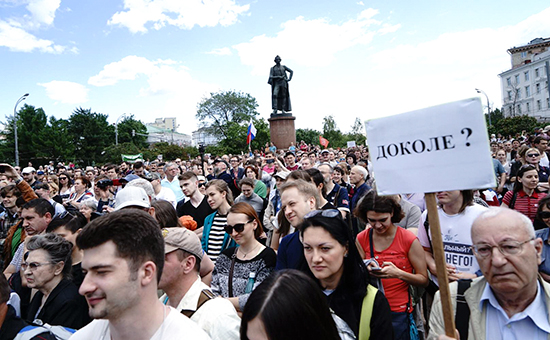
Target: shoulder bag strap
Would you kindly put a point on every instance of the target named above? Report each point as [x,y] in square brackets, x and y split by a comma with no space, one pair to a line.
[205,295]
[371,244]
[230,279]
[513,200]
[462,317]
[366,313]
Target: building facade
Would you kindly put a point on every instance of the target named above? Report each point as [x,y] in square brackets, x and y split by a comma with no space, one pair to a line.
[525,86]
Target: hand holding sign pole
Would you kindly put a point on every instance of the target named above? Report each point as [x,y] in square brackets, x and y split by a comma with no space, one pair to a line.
[442,148]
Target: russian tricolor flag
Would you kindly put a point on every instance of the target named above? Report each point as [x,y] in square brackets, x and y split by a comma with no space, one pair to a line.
[251,133]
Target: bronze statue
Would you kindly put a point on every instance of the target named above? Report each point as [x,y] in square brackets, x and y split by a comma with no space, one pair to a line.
[280,98]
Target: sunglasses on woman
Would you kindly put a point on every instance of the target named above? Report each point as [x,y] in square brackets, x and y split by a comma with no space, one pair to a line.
[544,214]
[533,155]
[239,227]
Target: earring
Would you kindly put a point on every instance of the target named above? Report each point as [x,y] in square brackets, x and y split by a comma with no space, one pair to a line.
[346,255]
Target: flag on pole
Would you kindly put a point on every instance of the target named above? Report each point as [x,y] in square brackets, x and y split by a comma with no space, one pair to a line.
[251,133]
[323,141]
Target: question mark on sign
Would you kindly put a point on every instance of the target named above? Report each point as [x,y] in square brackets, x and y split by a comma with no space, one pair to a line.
[469,132]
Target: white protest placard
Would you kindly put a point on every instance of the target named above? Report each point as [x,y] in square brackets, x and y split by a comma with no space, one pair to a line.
[439,148]
[351,144]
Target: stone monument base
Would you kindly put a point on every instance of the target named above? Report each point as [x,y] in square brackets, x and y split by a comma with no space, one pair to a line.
[282,130]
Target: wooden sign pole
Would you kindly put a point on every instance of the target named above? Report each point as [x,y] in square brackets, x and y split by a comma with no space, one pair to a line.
[441,265]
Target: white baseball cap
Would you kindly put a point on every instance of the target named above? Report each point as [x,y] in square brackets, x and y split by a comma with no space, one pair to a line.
[132,196]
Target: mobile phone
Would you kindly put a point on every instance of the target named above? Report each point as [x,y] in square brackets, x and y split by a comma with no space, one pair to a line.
[376,269]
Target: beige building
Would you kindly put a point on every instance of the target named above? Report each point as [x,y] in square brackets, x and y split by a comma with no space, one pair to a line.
[525,86]
[165,123]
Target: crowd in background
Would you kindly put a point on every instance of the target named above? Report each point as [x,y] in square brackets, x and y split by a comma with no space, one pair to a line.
[279,244]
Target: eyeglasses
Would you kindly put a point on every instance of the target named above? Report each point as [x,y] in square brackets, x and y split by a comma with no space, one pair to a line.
[239,227]
[508,248]
[544,214]
[533,155]
[60,178]
[331,213]
[33,265]
[201,184]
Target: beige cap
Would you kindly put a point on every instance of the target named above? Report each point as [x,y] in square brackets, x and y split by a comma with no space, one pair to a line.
[182,238]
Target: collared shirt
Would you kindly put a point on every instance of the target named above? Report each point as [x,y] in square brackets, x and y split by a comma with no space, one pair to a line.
[532,323]
[175,186]
[217,317]
[525,204]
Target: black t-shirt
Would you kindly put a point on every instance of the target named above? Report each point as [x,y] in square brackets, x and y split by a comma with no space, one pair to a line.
[78,275]
[198,214]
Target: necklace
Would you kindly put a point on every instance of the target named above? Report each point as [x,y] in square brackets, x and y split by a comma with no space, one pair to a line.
[245,254]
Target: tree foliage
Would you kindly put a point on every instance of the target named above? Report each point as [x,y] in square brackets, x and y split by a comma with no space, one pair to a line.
[132,131]
[91,134]
[512,125]
[357,133]
[309,136]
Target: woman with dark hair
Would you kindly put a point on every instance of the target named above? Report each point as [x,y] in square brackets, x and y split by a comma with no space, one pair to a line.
[65,186]
[526,195]
[165,214]
[241,268]
[47,268]
[332,257]
[396,254]
[288,305]
[214,238]
[251,171]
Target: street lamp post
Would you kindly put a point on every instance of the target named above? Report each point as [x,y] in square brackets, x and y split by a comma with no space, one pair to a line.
[23,97]
[488,107]
[116,127]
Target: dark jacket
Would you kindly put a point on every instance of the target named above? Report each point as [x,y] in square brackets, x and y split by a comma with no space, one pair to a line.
[13,324]
[64,307]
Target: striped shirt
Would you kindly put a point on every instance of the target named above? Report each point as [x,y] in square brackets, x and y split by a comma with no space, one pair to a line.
[217,234]
[526,205]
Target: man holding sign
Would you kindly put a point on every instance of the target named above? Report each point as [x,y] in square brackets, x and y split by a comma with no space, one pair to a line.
[510,301]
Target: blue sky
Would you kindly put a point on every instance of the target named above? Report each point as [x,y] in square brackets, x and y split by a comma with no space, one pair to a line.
[350,59]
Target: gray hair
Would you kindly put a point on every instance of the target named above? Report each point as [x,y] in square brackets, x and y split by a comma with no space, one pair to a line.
[167,165]
[90,203]
[362,170]
[497,211]
[145,185]
[58,249]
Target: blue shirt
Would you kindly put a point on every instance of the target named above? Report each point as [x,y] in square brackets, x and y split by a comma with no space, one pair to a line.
[544,265]
[291,253]
[532,323]
[339,197]
[174,186]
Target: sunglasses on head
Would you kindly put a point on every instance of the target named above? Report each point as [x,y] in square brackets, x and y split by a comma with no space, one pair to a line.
[239,227]
[544,214]
[325,213]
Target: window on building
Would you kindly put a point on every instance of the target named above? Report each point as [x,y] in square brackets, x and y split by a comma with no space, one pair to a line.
[537,74]
[527,107]
[527,91]
[548,103]
[509,81]
[526,75]
[519,109]
[509,95]
[537,87]
[517,78]
[539,105]
[510,111]
[524,54]
[518,93]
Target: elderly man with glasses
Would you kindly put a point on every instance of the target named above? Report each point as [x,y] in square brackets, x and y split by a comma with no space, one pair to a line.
[510,301]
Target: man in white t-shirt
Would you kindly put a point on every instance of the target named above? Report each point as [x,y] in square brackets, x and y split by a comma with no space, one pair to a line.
[187,293]
[457,213]
[123,261]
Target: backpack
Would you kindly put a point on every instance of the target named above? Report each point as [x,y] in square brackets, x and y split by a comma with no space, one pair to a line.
[57,332]
[205,296]
[366,313]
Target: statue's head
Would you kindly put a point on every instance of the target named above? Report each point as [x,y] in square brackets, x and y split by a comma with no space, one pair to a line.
[277,59]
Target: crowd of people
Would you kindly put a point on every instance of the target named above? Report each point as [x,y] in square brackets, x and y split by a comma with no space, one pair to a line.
[280,244]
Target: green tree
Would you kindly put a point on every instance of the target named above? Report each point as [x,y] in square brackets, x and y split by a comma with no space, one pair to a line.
[226,115]
[91,135]
[309,136]
[512,125]
[59,142]
[357,133]
[332,133]
[32,131]
[132,131]
[168,151]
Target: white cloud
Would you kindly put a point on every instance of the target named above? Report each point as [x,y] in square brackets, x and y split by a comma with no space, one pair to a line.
[43,11]
[220,51]
[308,42]
[66,92]
[182,14]
[162,77]
[449,67]
[360,3]
[18,40]
[387,28]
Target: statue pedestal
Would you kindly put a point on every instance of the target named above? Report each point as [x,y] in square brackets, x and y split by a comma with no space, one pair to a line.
[282,131]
